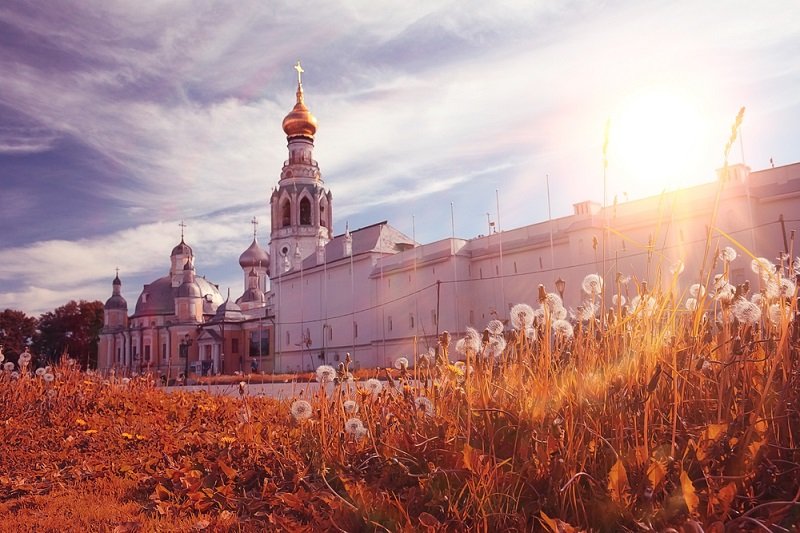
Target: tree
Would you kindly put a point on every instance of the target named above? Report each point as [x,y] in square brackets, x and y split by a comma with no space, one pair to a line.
[16,330]
[73,328]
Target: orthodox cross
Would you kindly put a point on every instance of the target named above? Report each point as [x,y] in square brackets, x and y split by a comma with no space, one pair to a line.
[254,222]
[300,71]
[117,269]
[182,225]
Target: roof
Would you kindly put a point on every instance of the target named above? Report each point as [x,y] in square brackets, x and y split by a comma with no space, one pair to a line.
[376,238]
[254,256]
[116,302]
[160,297]
[181,249]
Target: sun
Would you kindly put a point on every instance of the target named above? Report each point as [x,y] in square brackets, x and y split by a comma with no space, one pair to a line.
[658,141]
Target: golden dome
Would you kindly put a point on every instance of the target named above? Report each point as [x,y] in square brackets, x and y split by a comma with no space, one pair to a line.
[300,121]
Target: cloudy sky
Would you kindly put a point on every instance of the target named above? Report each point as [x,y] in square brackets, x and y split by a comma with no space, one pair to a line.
[119,119]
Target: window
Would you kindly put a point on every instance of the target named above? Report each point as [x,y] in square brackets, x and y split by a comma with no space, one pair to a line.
[286,214]
[471,316]
[389,323]
[322,221]
[330,333]
[288,339]
[259,343]
[164,350]
[434,317]
[305,212]
[411,321]
[355,329]
[234,345]
[147,352]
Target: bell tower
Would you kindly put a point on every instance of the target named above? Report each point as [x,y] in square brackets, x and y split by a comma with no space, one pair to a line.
[301,206]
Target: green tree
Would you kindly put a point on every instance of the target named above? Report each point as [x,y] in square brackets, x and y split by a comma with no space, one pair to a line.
[16,330]
[74,329]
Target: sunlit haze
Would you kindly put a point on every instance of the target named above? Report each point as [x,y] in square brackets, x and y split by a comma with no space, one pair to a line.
[118,120]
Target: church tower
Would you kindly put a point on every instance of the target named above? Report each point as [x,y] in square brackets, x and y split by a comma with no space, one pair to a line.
[300,206]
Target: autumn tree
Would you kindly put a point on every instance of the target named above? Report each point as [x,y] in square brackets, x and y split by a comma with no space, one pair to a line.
[73,328]
[16,330]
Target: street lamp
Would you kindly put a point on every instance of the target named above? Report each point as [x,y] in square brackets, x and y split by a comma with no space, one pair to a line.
[560,286]
[184,351]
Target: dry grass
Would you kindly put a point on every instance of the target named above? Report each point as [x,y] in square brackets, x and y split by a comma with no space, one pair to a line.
[655,418]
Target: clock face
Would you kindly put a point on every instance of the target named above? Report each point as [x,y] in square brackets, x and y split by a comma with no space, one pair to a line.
[284,250]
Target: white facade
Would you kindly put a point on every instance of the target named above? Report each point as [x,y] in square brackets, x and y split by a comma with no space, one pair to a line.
[399,296]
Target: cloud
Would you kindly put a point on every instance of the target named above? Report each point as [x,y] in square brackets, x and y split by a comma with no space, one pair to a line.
[179,106]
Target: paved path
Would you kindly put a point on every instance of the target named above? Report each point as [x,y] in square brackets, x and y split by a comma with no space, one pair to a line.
[273,390]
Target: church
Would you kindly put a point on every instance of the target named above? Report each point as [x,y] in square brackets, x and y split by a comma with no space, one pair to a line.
[311,297]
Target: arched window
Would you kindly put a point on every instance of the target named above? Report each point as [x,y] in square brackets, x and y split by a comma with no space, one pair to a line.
[286,214]
[305,212]
[322,221]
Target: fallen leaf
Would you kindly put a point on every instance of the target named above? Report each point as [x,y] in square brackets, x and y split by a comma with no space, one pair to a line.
[689,495]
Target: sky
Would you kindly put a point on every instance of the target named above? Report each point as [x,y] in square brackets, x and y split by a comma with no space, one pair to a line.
[120,119]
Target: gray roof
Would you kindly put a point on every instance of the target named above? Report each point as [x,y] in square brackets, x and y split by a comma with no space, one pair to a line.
[379,238]
[161,297]
[252,295]
[254,256]
[181,248]
[116,302]
[229,312]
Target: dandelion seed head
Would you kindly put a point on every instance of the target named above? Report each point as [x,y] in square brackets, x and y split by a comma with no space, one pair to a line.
[8,367]
[424,404]
[746,312]
[762,265]
[778,312]
[350,407]
[472,342]
[24,358]
[532,334]
[677,268]
[325,373]
[592,284]
[772,289]
[725,293]
[727,254]
[40,371]
[586,312]
[401,363]
[560,313]
[495,327]
[496,346]
[618,300]
[562,328]
[691,304]
[374,386]
[552,301]
[301,410]
[352,425]
[126,381]
[697,291]
[15,375]
[361,433]
[787,288]
[521,316]
[757,299]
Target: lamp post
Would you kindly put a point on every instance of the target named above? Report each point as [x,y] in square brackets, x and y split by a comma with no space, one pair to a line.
[184,347]
[560,286]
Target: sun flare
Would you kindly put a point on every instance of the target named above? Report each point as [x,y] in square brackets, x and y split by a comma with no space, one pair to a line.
[657,141]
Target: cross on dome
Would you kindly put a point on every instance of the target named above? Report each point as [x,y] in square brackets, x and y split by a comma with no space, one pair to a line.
[182,225]
[300,71]
[254,222]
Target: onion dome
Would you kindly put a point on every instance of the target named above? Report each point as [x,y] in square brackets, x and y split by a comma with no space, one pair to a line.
[116,301]
[300,122]
[181,249]
[189,289]
[254,256]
